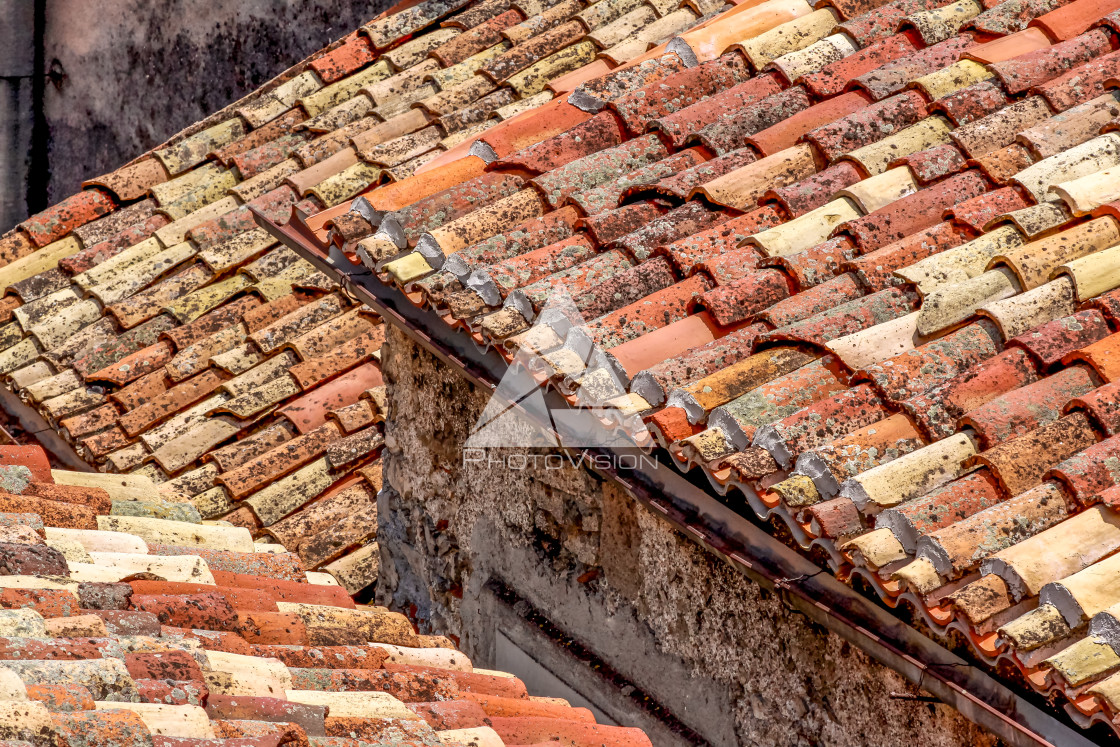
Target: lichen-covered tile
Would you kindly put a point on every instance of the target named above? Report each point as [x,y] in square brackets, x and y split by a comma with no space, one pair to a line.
[196,357]
[133,181]
[310,411]
[927,133]
[230,457]
[291,492]
[90,422]
[39,261]
[273,464]
[195,304]
[210,191]
[331,544]
[148,303]
[258,399]
[312,371]
[192,150]
[1034,68]
[335,93]
[138,275]
[211,322]
[347,183]
[101,355]
[353,417]
[21,354]
[893,76]
[187,393]
[867,23]
[238,359]
[186,448]
[55,222]
[296,323]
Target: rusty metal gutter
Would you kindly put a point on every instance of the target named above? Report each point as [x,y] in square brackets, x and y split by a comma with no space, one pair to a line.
[35,425]
[737,539]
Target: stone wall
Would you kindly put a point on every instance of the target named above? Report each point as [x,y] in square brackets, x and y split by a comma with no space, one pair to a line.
[676,625]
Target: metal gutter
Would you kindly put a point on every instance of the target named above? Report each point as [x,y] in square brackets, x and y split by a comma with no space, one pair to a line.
[39,166]
[747,547]
[36,425]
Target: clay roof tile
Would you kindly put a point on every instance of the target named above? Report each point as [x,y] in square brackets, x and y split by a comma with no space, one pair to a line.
[1035,68]
[1067,21]
[1029,407]
[1079,85]
[1020,463]
[59,220]
[717,331]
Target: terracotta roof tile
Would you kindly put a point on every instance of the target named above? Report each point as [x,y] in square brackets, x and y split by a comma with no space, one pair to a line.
[892,77]
[933,164]
[681,185]
[681,125]
[256,472]
[211,322]
[660,99]
[1080,84]
[1066,22]
[912,213]
[1019,464]
[335,541]
[476,39]
[353,53]
[53,513]
[698,306]
[309,411]
[1009,20]
[715,250]
[61,219]
[1034,68]
[1100,407]
[15,245]
[587,137]
[135,365]
[313,371]
[527,301]
[1084,474]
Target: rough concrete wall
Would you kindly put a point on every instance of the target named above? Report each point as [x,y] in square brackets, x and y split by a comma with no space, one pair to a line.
[728,660]
[17,54]
[137,71]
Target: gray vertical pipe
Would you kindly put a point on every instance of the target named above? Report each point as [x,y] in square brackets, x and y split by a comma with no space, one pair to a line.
[17,107]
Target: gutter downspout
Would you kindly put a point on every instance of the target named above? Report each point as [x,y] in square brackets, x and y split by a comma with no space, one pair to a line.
[39,171]
[802,584]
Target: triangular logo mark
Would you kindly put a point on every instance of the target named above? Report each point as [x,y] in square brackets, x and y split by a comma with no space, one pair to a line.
[518,415]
